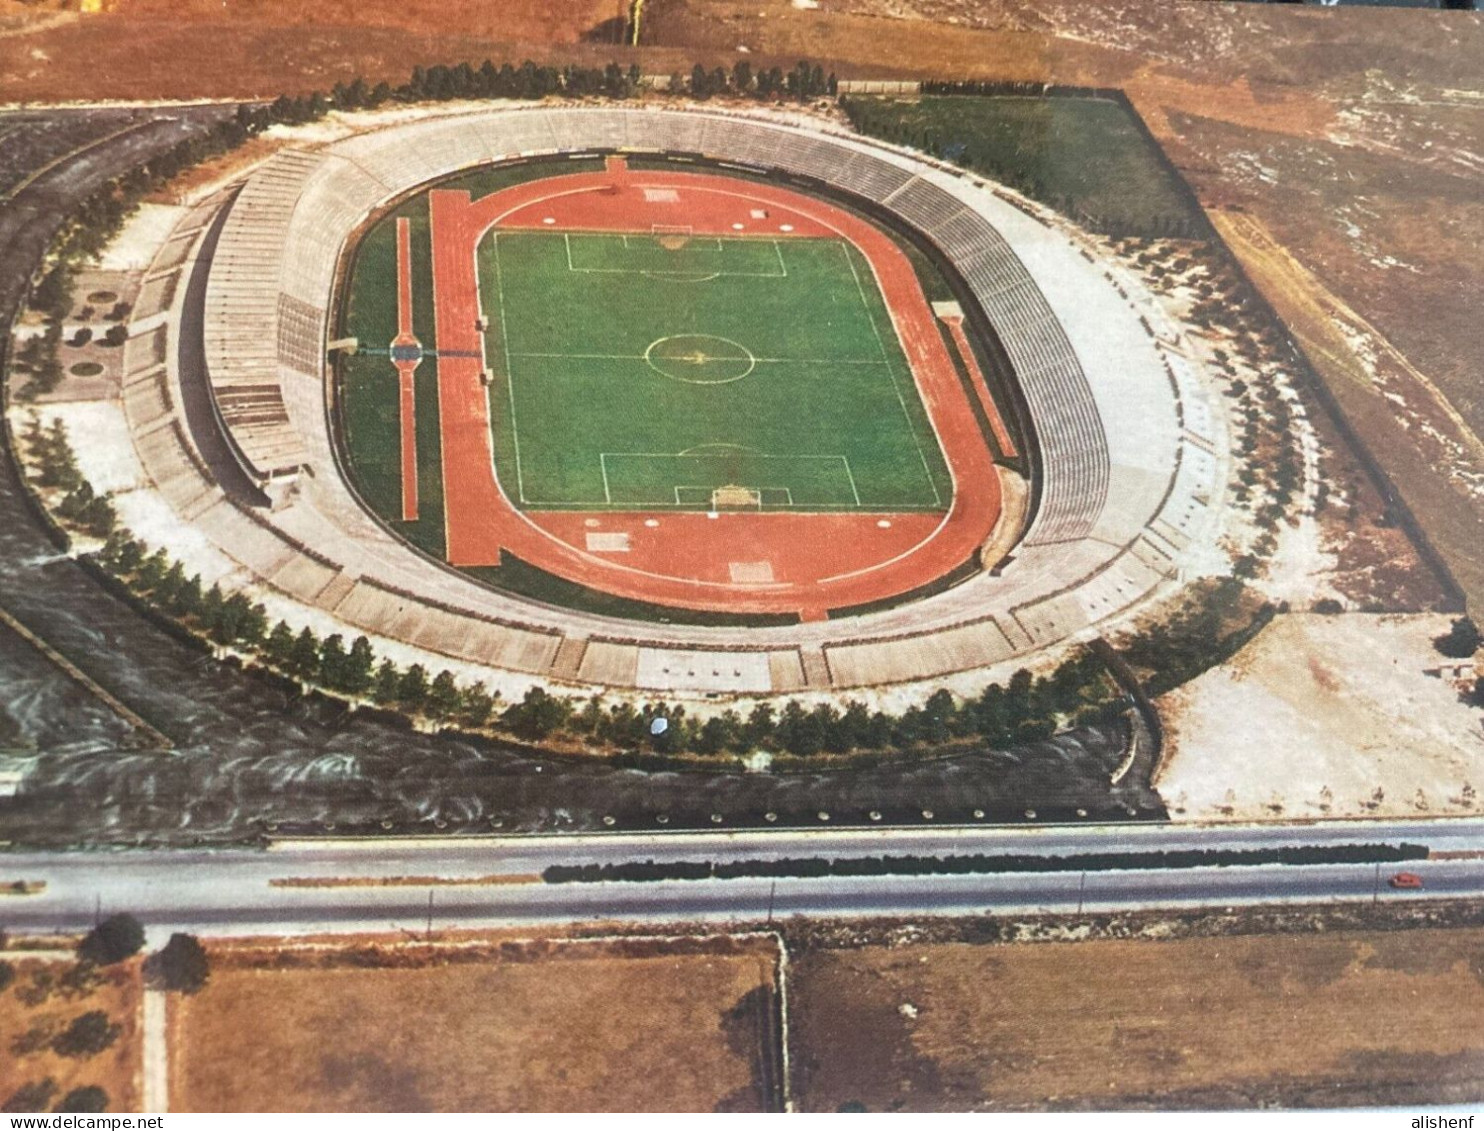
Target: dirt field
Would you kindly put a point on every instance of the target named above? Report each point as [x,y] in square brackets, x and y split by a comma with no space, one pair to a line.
[552,1026]
[38,1005]
[1324,717]
[1296,1020]
[133,51]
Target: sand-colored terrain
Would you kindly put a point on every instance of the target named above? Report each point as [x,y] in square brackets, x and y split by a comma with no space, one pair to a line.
[543,1026]
[1303,1020]
[1325,717]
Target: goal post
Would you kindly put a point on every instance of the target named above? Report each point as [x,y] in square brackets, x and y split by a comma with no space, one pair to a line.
[672,237]
[733,497]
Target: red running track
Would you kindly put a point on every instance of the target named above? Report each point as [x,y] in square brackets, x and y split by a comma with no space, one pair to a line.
[405,369]
[816,562]
[955,324]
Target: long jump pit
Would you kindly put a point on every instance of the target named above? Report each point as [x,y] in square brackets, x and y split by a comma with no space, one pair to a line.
[698,391]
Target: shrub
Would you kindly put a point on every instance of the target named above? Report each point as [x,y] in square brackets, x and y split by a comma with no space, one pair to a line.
[181,965]
[113,940]
[88,1035]
[91,1098]
[30,1097]
[1460,642]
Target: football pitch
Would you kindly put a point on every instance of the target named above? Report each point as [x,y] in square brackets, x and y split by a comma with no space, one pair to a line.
[669,371]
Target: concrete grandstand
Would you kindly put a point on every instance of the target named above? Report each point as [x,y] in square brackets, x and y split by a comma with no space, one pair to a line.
[1131,448]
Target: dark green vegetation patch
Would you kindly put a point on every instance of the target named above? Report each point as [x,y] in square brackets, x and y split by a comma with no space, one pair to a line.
[1088,157]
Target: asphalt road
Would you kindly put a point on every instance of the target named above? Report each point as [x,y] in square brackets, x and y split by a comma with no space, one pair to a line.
[233,891]
[183,903]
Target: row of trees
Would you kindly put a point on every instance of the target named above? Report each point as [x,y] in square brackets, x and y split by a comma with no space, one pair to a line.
[1219,619]
[56,468]
[818,867]
[1027,708]
[234,620]
[38,1095]
[530,81]
[180,965]
[806,81]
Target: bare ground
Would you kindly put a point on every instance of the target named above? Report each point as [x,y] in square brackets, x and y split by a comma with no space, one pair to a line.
[1324,716]
[41,1003]
[1288,1019]
[481,1026]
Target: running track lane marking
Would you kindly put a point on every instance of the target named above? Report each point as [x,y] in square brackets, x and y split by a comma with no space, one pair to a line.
[406,369]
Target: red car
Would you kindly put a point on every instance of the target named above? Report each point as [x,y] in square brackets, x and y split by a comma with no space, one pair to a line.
[1410,880]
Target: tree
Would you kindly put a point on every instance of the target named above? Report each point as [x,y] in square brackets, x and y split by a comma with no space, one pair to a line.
[7,975]
[537,714]
[190,598]
[358,667]
[116,335]
[279,645]
[939,714]
[476,706]
[113,940]
[86,1036]
[303,660]
[443,696]
[700,82]
[718,733]
[333,661]
[1461,641]
[388,680]
[413,688]
[211,608]
[760,726]
[89,1099]
[181,965]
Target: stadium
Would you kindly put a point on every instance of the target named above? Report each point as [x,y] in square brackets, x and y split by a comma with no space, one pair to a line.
[675,401]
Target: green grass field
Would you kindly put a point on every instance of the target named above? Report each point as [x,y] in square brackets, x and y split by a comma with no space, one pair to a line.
[1086,157]
[635,373]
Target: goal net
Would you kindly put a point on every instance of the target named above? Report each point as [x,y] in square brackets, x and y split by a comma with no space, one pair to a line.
[733,497]
[672,237]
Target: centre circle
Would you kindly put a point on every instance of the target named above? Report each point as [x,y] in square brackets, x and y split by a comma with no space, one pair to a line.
[700,359]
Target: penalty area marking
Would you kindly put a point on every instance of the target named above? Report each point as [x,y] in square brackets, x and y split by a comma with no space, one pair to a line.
[701,274]
[716,449]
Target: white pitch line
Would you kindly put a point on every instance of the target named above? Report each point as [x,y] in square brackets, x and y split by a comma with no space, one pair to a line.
[850,475]
[520,482]
[760,360]
[895,384]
